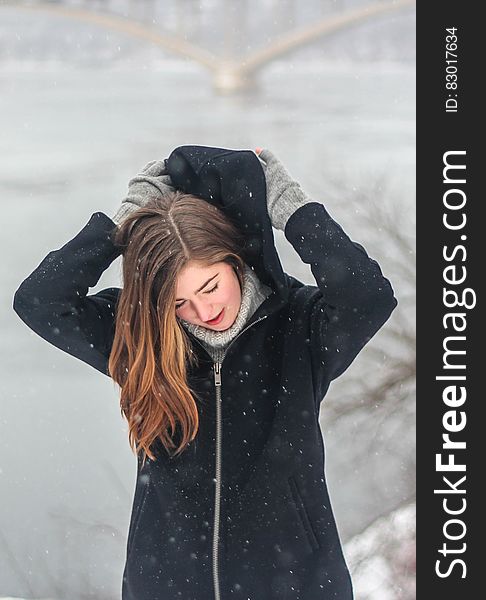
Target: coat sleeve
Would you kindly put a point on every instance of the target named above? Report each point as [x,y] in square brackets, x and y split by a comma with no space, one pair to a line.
[355,299]
[53,300]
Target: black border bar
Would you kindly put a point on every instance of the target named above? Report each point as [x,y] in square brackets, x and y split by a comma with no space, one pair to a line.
[450,278]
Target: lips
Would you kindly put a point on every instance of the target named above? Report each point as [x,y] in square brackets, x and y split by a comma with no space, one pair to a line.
[217,319]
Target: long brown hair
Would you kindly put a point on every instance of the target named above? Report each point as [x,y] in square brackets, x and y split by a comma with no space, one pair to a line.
[151,350]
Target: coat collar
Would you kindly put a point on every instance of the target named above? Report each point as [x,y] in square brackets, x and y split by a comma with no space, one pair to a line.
[234,181]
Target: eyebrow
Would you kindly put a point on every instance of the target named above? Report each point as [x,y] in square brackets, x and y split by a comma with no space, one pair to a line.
[202,287]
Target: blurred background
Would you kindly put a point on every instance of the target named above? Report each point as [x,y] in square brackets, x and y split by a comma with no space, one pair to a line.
[90,91]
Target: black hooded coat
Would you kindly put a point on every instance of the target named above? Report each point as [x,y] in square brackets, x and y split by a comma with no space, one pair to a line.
[244,511]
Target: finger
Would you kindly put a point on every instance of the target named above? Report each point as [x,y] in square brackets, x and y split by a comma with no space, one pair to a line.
[147,167]
[266,155]
[166,180]
[155,168]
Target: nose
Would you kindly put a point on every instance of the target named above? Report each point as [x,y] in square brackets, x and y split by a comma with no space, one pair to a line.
[203,311]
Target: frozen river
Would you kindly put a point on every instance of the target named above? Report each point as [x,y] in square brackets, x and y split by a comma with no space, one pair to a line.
[71,139]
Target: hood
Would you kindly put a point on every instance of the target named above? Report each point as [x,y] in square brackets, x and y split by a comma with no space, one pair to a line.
[234,181]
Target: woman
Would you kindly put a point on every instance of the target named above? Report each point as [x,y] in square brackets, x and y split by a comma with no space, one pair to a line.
[223,360]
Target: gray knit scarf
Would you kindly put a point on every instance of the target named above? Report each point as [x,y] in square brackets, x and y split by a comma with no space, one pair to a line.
[254,292]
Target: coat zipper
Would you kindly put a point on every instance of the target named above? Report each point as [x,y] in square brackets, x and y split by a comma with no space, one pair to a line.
[219,434]
[217,493]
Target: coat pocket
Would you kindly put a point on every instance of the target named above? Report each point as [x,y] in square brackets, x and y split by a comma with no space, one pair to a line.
[302,514]
[138,506]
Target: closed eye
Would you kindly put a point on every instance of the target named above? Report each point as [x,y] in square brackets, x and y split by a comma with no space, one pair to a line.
[206,292]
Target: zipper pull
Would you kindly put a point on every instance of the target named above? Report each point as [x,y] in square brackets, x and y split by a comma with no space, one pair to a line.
[217,373]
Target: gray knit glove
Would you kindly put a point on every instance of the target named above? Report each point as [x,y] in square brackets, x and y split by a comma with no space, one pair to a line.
[284,194]
[152,181]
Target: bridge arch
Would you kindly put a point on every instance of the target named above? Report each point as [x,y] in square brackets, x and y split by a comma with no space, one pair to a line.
[228,75]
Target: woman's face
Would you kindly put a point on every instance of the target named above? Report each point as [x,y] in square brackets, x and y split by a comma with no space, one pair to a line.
[203,293]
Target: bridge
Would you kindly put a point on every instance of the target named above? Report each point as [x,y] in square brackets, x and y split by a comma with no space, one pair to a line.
[229,73]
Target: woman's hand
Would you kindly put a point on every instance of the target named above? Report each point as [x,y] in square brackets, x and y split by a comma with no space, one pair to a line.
[152,181]
[284,194]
